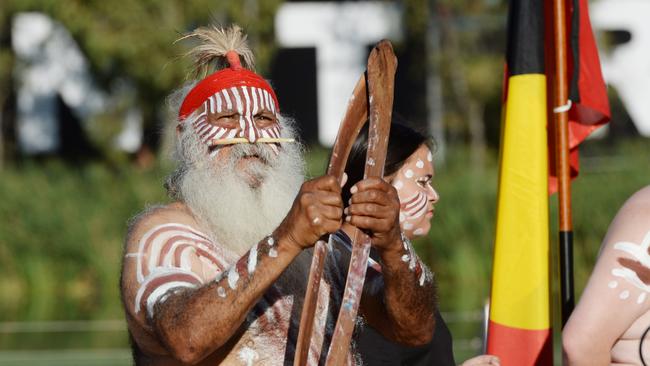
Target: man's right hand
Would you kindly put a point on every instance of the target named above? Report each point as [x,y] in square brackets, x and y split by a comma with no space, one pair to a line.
[316,211]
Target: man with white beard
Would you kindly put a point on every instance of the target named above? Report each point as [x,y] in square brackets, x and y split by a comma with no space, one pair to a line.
[219,275]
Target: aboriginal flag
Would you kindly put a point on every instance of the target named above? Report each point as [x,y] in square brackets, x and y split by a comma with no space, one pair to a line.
[519,329]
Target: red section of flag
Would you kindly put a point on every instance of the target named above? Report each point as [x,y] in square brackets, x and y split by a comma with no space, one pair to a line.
[592,110]
[517,346]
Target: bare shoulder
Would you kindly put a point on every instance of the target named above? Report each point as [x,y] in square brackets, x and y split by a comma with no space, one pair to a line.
[640,200]
[160,254]
[175,213]
[632,222]
[146,237]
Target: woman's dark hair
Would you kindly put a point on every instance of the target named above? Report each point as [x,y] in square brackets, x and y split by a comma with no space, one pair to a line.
[402,143]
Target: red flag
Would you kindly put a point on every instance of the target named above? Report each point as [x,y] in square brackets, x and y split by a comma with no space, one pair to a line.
[588,95]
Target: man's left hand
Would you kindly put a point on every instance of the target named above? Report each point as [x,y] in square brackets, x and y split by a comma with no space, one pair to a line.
[374,208]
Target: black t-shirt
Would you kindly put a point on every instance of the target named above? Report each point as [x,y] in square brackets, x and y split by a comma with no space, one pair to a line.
[376,350]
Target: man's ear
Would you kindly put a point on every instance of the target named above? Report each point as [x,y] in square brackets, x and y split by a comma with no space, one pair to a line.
[179,129]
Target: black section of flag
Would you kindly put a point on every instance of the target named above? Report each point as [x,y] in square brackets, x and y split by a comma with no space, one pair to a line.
[525,37]
[574,91]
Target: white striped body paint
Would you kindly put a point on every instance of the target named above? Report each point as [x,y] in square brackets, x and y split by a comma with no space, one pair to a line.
[415,265]
[252,110]
[174,257]
[634,271]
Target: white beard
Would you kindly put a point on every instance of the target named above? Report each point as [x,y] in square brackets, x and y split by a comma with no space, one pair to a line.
[237,212]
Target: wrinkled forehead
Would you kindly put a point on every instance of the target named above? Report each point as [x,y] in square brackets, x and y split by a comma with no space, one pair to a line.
[241,99]
[237,88]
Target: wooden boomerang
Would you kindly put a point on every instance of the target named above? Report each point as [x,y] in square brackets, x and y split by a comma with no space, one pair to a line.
[380,84]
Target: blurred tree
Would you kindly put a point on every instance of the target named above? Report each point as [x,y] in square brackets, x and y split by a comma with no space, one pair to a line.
[6,67]
[473,45]
[469,40]
[133,40]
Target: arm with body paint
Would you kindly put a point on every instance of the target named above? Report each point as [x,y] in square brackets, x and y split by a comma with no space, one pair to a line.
[620,282]
[192,318]
[403,310]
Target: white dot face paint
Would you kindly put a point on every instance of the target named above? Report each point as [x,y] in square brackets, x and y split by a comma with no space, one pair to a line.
[273,253]
[634,268]
[221,292]
[412,182]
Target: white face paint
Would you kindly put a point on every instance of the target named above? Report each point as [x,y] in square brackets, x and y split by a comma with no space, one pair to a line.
[413,184]
[244,112]
[634,270]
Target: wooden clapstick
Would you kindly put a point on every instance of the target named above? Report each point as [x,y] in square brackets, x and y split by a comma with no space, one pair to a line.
[382,64]
[379,80]
[354,119]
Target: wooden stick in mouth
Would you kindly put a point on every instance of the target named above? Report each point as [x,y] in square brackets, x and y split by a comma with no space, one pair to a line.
[242,140]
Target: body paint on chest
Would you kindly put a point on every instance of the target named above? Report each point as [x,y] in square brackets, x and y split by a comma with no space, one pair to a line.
[163,262]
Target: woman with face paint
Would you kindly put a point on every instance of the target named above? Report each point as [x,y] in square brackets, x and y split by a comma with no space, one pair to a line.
[409,169]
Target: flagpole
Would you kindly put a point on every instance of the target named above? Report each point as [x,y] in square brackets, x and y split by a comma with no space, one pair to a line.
[561,113]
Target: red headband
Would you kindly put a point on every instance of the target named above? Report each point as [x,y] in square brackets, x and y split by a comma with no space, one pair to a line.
[235,75]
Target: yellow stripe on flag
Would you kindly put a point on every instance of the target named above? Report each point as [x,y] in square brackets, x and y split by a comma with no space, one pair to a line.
[520,275]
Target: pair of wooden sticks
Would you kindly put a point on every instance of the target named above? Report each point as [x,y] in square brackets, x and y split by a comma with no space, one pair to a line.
[372,97]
